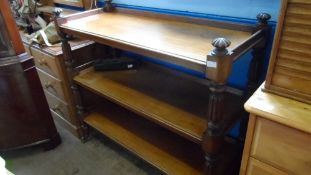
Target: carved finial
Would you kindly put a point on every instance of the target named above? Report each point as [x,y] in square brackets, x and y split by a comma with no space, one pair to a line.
[57,12]
[263,18]
[108,6]
[221,45]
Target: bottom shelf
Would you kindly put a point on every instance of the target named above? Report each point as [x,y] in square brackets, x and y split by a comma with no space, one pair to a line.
[165,150]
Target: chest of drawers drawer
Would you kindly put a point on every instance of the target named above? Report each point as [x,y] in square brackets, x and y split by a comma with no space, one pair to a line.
[257,167]
[57,106]
[45,62]
[282,147]
[52,85]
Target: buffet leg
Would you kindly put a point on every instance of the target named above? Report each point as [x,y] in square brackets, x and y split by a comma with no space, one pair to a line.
[213,136]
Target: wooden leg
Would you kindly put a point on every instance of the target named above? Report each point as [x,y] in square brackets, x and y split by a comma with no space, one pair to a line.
[255,69]
[77,101]
[213,136]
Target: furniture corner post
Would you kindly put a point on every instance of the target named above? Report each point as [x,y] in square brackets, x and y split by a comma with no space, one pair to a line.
[69,65]
[258,54]
[255,66]
[218,68]
[108,7]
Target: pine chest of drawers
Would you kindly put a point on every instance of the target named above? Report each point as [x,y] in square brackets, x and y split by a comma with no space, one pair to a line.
[278,136]
[289,71]
[51,71]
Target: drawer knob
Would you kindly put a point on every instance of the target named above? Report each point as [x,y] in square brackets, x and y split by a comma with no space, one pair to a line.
[48,85]
[42,62]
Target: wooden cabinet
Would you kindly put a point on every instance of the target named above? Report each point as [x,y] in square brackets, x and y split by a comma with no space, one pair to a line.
[278,135]
[52,71]
[289,71]
[175,121]
[257,167]
[24,113]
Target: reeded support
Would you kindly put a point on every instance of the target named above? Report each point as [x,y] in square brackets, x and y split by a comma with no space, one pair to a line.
[258,55]
[218,68]
[108,6]
[69,64]
[256,65]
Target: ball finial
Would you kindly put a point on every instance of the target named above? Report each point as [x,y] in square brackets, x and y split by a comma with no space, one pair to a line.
[57,11]
[263,18]
[221,43]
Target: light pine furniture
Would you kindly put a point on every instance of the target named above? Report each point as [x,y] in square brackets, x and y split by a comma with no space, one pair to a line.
[278,136]
[51,71]
[289,71]
[176,122]
[24,112]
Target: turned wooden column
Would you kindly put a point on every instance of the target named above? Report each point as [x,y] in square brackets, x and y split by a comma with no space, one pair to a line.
[255,67]
[258,54]
[108,7]
[218,68]
[71,73]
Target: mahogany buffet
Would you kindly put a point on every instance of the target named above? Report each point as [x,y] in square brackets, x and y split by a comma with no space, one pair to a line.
[174,121]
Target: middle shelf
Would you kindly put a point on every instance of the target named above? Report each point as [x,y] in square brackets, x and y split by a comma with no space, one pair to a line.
[160,95]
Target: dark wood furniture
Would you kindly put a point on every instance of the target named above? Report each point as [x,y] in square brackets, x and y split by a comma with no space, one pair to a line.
[25,117]
[174,121]
[289,71]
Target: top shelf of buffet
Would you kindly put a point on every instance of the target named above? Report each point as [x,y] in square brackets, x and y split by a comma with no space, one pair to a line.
[180,40]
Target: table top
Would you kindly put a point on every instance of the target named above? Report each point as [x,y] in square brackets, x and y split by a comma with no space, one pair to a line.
[183,38]
[283,110]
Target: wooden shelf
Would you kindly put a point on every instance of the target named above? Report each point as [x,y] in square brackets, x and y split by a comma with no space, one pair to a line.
[174,102]
[176,39]
[161,148]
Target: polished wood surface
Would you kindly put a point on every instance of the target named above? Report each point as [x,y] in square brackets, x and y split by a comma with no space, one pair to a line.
[10,24]
[25,117]
[52,85]
[58,106]
[45,62]
[194,111]
[177,107]
[179,40]
[160,148]
[248,144]
[282,147]
[176,38]
[289,112]
[257,167]
[51,69]
[278,136]
[289,71]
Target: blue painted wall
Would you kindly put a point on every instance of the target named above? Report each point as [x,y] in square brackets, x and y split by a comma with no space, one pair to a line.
[232,8]
[242,11]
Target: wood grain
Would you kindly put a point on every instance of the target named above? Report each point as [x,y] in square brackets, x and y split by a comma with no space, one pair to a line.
[280,109]
[282,147]
[247,145]
[289,70]
[172,101]
[160,148]
[183,40]
[52,85]
[58,106]
[257,167]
